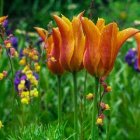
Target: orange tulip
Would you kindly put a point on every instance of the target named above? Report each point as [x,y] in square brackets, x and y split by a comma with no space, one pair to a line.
[137,37]
[3,18]
[102,45]
[73,42]
[53,43]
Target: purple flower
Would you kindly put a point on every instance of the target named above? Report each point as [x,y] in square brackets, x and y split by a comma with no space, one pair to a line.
[17,79]
[14,41]
[21,53]
[36,75]
[136,65]
[131,56]
[5,24]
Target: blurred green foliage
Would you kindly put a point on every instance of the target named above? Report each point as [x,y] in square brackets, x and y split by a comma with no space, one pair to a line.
[27,13]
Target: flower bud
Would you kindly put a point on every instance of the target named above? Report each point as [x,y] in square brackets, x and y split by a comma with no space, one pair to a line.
[99,121]
[4,73]
[1,76]
[90,96]
[108,89]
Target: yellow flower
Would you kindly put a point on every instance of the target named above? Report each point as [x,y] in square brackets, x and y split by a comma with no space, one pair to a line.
[37,67]
[34,92]
[25,100]
[1,125]
[8,45]
[33,80]
[29,74]
[90,96]
[1,76]
[99,121]
[16,54]
[108,89]
[22,61]
[25,94]
[26,68]
[107,107]
[35,57]
[21,85]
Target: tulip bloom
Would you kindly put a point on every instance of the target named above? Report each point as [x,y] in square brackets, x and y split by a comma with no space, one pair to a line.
[3,18]
[102,45]
[52,43]
[137,37]
[73,42]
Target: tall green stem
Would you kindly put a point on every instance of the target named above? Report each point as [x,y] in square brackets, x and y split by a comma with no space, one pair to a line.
[59,100]
[75,106]
[1,7]
[95,111]
[85,81]
[83,109]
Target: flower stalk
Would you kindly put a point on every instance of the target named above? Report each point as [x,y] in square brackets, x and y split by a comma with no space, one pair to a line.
[75,106]
[83,109]
[94,133]
[59,100]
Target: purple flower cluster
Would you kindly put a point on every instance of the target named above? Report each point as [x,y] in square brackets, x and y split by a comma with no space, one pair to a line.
[6,26]
[8,32]
[131,59]
[14,41]
[21,76]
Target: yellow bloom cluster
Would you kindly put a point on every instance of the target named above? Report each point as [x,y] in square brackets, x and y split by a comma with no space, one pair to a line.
[30,54]
[30,76]
[10,48]
[27,85]
[3,74]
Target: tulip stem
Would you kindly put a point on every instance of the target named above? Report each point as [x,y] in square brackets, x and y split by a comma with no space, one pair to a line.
[94,133]
[75,106]
[59,100]
[83,109]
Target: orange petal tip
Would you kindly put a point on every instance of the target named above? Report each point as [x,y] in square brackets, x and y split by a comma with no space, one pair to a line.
[42,32]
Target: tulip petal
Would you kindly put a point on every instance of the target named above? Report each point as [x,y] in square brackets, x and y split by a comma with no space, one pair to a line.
[92,42]
[87,61]
[100,23]
[79,44]
[55,65]
[124,35]
[66,20]
[3,18]
[137,36]
[42,32]
[67,48]
[108,44]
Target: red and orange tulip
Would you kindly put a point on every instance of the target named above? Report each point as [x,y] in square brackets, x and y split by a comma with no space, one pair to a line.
[137,37]
[3,18]
[102,45]
[73,42]
[53,43]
